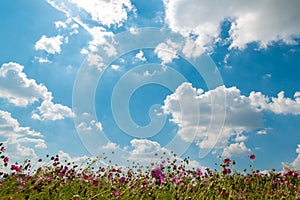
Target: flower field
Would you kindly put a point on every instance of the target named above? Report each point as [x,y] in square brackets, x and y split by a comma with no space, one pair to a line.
[168,179]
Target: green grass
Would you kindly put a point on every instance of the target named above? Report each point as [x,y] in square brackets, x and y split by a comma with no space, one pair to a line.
[166,180]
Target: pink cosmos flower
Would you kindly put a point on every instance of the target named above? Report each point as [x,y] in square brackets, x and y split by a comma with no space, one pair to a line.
[158,175]
[252,156]
[226,171]
[227,161]
[116,193]
[16,168]
[95,183]
[5,160]
[143,187]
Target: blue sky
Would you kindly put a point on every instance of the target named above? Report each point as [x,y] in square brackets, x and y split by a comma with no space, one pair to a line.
[81,78]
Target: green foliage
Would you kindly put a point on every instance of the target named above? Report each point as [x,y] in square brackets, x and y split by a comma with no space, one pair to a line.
[166,180]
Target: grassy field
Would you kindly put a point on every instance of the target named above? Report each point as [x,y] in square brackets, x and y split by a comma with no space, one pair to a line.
[165,180]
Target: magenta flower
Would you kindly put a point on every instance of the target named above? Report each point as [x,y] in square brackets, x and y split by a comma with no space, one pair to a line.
[226,171]
[198,173]
[143,187]
[16,168]
[116,193]
[158,175]
[247,180]
[122,180]
[227,161]
[175,180]
[2,149]
[156,172]
[95,183]
[252,156]
[5,160]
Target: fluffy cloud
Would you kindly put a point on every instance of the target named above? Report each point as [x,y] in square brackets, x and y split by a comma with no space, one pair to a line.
[116,67]
[19,140]
[167,51]
[51,45]
[147,151]
[50,111]
[140,56]
[191,110]
[17,89]
[91,126]
[107,12]
[94,60]
[200,115]
[279,105]
[252,21]
[110,146]
[296,162]
[236,149]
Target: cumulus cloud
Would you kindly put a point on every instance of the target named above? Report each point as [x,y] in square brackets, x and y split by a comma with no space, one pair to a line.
[264,21]
[94,60]
[60,24]
[90,126]
[19,140]
[42,60]
[279,105]
[140,56]
[193,110]
[51,111]
[19,90]
[51,45]
[107,12]
[236,149]
[116,67]
[148,151]
[296,162]
[110,146]
[167,51]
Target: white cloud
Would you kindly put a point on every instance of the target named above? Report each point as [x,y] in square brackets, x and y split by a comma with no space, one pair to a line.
[192,110]
[19,139]
[94,60]
[167,51]
[51,45]
[90,126]
[74,28]
[115,67]
[296,162]
[100,36]
[43,60]
[147,151]
[236,149]
[267,76]
[110,146]
[133,31]
[60,24]
[252,21]
[240,138]
[17,89]
[107,12]
[50,111]
[140,56]
[263,131]
[192,49]
[279,105]
[84,51]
